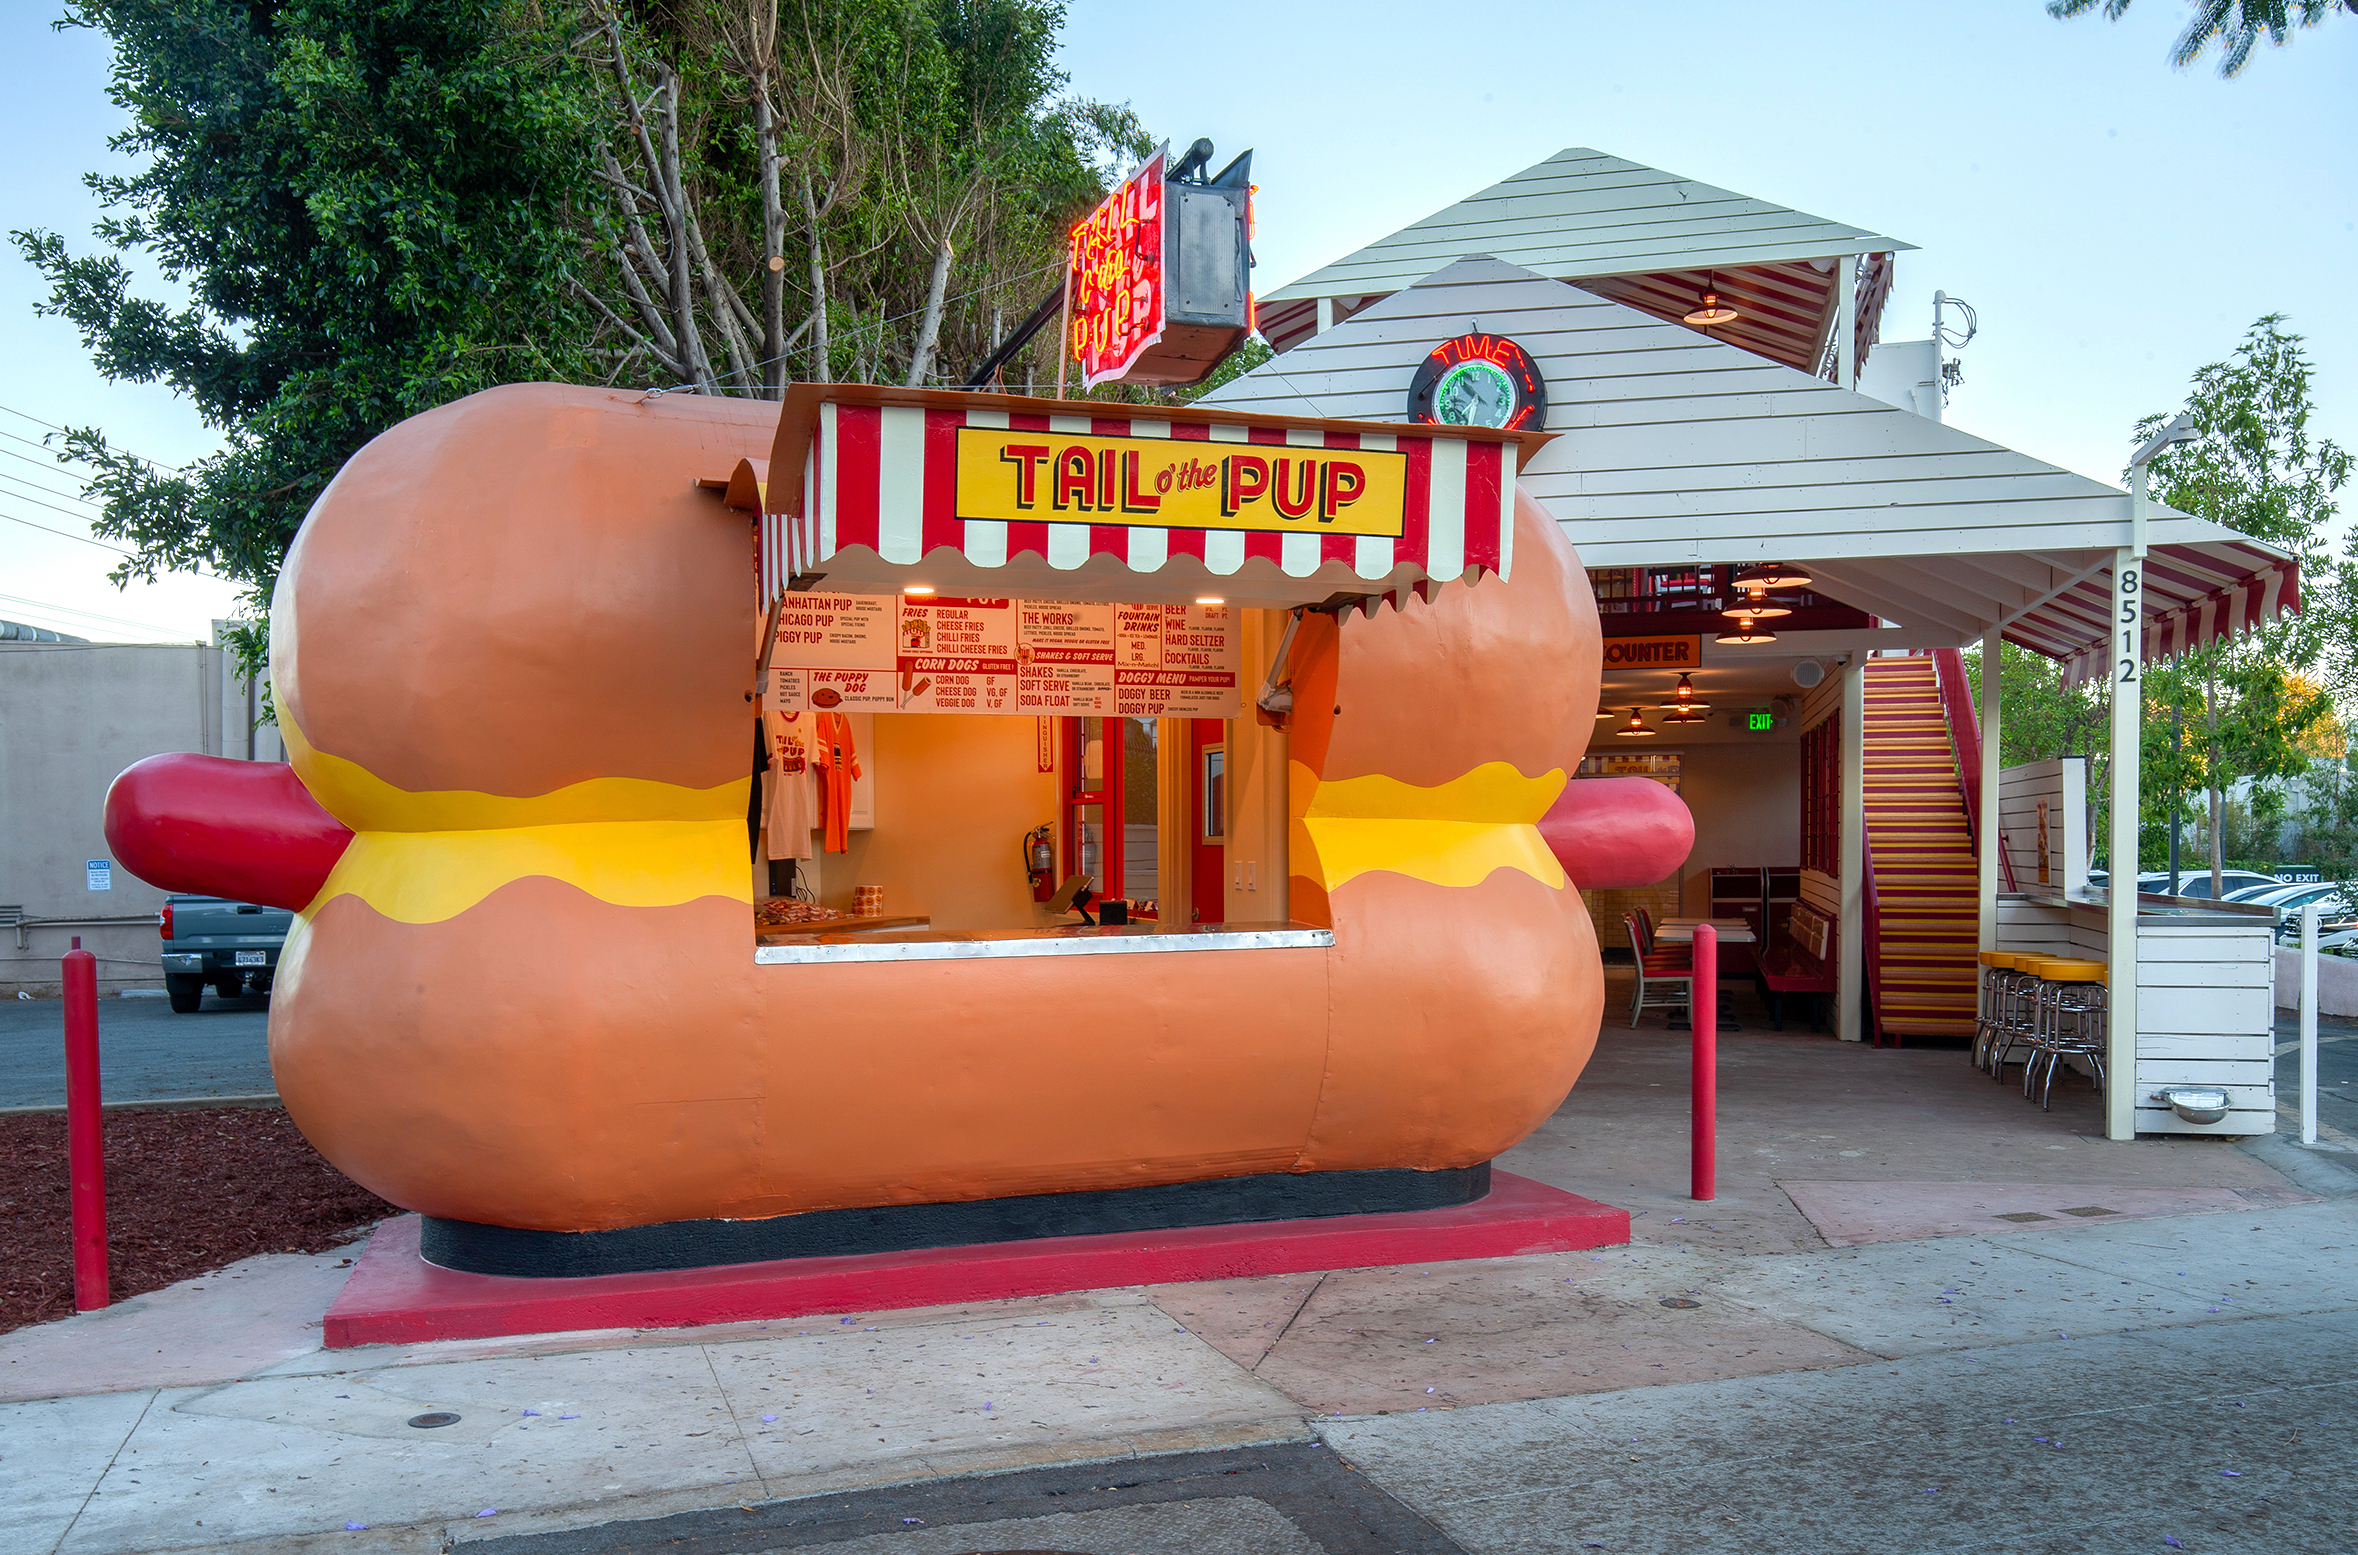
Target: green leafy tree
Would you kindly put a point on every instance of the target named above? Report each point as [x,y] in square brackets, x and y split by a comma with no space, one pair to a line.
[369,208]
[2257,467]
[378,206]
[2235,25]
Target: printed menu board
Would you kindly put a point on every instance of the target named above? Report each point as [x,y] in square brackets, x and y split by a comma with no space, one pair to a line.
[909,654]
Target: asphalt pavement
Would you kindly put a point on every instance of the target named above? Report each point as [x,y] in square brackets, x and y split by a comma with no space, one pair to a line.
[2337,1070]
[145,1052]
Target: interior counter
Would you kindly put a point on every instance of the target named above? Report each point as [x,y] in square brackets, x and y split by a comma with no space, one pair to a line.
[1124,939]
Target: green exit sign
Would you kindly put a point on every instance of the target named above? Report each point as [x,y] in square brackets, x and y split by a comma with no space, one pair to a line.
[1760,723]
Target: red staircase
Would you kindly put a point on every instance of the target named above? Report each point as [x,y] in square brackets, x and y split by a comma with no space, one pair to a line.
[1921,912]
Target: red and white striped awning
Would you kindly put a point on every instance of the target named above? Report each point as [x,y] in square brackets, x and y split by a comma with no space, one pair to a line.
[2194,593]
[868,495]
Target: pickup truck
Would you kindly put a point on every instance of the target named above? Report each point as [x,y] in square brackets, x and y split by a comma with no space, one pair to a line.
[229,946]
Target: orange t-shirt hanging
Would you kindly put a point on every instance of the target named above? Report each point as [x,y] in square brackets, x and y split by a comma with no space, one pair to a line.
[837,763]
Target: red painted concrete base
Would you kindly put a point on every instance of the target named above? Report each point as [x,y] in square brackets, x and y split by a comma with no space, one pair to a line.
[395,1297]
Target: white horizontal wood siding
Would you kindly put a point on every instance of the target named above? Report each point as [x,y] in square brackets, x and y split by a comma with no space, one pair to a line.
[2063,784]
[1582,212]
[2205,1007]
[1676,448]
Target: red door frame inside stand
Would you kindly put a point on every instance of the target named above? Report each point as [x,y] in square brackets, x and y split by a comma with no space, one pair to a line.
[1207,818]
[1104,792]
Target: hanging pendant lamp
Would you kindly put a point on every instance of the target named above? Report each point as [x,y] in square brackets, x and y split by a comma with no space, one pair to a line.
[1712,312]
[1771,575]
[1745,634]
[1755,604]
[1635,728]
[1684,697]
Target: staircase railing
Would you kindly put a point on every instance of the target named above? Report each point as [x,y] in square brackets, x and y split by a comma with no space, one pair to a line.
[1956,701]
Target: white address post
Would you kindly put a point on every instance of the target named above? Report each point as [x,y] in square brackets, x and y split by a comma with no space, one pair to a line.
[2128,717]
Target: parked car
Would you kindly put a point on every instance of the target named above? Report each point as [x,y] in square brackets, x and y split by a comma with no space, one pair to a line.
[2335,913]
[210,942]
[2197,882]
[2251,893]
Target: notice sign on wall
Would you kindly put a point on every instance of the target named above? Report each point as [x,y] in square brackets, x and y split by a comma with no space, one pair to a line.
[1041,658]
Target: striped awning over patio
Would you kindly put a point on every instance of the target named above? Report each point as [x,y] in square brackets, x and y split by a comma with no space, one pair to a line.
[2195,595]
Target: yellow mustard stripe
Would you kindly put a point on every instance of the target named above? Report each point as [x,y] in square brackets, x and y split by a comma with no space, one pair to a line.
[1455,834]
[365,802]
[428,876]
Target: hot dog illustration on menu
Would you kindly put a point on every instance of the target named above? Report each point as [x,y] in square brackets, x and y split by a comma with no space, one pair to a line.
[886,653]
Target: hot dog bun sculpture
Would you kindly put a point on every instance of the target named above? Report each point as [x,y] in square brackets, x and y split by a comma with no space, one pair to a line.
[509,650]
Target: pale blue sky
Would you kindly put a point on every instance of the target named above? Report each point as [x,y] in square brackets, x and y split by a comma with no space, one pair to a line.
[2117,223]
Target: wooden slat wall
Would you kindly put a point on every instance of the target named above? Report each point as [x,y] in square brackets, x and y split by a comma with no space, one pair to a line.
[2205,1007]
[2063,783]
[1678,447]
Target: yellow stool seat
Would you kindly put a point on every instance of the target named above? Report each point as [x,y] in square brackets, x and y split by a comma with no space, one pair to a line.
[2065,971]
[1997,958]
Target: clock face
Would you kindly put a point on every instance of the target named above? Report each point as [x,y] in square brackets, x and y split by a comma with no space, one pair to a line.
[1479,381]
[1474,394]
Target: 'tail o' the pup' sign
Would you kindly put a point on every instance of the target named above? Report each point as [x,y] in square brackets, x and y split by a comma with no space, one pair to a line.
[1117,275]
[1173,483]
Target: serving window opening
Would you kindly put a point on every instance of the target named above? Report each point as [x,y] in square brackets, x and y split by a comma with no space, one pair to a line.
[912,804]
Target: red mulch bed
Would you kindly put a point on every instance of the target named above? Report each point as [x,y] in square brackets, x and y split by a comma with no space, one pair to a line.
[186,1193]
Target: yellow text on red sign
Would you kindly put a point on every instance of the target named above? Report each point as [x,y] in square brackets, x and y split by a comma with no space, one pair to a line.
[1063,478]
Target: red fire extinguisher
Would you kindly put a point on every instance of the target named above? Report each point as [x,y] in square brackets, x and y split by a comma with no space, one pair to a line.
[1039,858]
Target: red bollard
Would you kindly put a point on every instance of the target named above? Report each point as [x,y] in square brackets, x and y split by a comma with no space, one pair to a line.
[85,1141]
[1703,1016]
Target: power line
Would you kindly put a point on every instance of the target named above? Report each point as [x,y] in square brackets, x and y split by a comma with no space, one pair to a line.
[48,491]
[54,427]
[44,464]
[63,535]
[90,615]
[51,506]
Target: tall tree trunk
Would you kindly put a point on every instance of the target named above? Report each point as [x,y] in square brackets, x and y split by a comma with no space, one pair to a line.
[930,330]
[675,198]
[2210,707]
[773,237]
[820,344]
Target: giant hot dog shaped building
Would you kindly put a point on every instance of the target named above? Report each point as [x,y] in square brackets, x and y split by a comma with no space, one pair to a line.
[511,666]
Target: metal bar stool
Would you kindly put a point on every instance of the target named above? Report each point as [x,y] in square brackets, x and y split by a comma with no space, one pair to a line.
[1985,1027]
[2013,1011]
[2069,1022]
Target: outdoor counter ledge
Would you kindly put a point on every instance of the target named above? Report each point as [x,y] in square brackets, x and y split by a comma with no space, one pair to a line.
[1128,939]
[2175,911]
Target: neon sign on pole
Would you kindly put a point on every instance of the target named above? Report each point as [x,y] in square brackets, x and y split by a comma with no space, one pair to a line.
[1116,257]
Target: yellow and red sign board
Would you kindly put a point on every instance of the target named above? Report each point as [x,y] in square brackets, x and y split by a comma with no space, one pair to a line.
[1175,483]
[1653,653]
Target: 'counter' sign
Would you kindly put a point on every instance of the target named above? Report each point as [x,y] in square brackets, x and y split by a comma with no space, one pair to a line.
[1655,653]
[1172,483]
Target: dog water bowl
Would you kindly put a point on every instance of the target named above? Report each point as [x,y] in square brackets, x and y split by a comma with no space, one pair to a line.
[2195,1103]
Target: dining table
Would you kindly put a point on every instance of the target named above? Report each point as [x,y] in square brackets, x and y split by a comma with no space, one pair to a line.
[1681,931]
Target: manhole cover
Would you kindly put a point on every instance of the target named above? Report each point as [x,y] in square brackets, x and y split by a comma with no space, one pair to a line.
[2023,1216]
[1679,1301]
[432,1418]
[2091,1211]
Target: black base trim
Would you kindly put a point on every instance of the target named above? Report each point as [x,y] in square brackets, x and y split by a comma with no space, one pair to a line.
[898,1228]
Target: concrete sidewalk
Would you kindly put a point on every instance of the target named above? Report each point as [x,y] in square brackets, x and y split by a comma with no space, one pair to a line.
[2180,1367]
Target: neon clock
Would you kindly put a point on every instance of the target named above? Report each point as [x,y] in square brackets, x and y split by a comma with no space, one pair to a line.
[1478,380]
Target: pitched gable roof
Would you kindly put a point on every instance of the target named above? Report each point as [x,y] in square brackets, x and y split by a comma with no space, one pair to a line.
[1677,449]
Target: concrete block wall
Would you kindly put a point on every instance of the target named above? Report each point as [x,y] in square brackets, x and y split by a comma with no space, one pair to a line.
[72,716]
